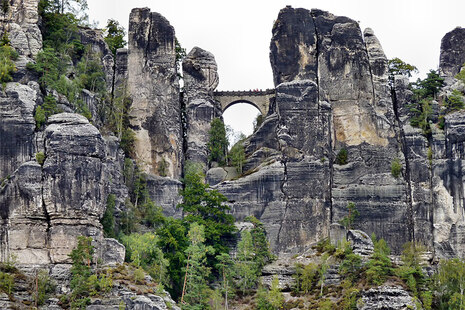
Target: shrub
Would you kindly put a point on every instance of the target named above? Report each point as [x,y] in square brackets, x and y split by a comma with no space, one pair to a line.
[108,219]
[43,112]
[7,65]
[162,167]
[44,287]
[40,157]
[305,277]
[396,167]
[379,266]
[7,282]
[325,245]
[348,220]
[341,158]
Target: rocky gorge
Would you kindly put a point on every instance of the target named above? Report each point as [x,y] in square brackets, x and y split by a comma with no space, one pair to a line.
[332,92]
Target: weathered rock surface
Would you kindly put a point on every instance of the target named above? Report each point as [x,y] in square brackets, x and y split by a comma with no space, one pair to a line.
[21,23]
[154,89]
[332,93]
[46,207]
[386,297]
[17,125]
[452,55]
[361,243]
[200,80]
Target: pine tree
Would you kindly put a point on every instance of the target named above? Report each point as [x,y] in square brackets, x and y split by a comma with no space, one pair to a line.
[246,268]
[195,289]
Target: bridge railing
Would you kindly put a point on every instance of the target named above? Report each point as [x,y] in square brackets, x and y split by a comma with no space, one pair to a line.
[243,93]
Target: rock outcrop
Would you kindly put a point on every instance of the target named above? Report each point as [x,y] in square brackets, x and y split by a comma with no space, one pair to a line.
[45,206]
[21,24]
[452,56]
[331,94]
[17,126]
[154,90]
[389,297]
[200,80]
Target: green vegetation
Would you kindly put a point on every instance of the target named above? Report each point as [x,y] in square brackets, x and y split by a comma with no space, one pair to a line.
[237,155]
[45,286]
[218,143]
[379,266]
[108,219]
[348,220]
[115,36]
[40,157]
[143,251]
[450,284]
[195,291]
[399,67]
[396,167]
[258,121]
[7,66]
[341,158]
[84,282]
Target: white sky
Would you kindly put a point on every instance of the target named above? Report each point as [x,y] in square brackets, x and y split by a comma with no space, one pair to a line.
[238,32]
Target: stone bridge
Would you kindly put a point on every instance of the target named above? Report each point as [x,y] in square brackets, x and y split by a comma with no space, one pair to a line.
[259,99]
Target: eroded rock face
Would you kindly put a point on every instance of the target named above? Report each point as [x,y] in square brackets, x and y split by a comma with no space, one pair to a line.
[17,125]
[200,80]
[46,207]
[386,297]
[154,89]
[21,24]
[332,93]
[452,52]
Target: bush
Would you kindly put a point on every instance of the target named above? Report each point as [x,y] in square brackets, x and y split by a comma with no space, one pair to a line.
[305,277]
[341,158]
[44,287]
[7,65]
[108,219]
[43,112]
[237,155]
[349,219]
[396,167]
[7,282]
[325,245]
[40,157]
[379,266]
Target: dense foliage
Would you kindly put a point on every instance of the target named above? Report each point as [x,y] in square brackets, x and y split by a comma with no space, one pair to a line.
[218,143]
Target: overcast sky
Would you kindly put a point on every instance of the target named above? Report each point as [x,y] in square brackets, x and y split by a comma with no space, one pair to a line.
[238,32]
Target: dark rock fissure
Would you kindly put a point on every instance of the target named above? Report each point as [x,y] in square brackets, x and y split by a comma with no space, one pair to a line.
[407,177]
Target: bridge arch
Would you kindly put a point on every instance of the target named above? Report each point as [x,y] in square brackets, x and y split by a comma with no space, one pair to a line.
[259,99]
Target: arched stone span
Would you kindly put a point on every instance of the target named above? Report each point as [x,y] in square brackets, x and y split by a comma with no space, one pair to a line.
[259,99]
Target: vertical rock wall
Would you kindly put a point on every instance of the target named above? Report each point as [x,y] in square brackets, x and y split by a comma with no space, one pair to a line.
[200,80]
[154,89]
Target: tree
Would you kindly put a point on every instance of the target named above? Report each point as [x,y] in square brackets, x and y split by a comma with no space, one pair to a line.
[195,289]
[422,112]
[218,143]
[450,284]
[411,270]
[258,121]
[246,268]
[207,207]
[7,65]
[261,246]
[144,252]
[237,155]
[81,257]
[115,36]
[348,220]
[275,297]
[322,272]
[428,87]
[454,102]
[399,67]
[226,267]
[379,266]
[108,219]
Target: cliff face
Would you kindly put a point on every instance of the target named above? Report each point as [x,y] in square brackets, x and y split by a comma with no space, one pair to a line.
[153,86]
[332,93]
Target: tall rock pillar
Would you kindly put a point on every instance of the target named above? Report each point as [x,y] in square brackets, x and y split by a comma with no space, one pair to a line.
[200,80]
[154,88]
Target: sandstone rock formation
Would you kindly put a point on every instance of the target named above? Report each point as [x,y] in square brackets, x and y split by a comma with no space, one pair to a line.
[154,89]
[452,56]
[331,94]
[200,79]
[21,23]
[46,206]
